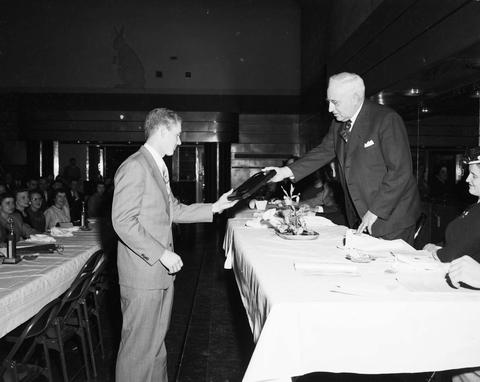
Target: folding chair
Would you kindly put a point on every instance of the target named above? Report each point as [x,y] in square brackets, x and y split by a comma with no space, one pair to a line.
[32,332]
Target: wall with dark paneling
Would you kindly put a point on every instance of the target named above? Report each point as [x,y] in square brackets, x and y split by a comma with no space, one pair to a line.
[123,126]
[444,131]
[264,140]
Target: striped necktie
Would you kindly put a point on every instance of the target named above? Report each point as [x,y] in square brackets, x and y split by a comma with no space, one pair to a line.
[345,130]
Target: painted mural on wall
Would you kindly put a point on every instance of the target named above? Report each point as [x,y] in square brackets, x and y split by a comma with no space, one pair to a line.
[127,64]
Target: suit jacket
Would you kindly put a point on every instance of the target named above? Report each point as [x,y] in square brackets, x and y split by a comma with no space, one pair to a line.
[142,216]
[375,168]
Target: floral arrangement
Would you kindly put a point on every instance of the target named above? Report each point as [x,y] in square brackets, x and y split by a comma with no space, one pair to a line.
[293,215]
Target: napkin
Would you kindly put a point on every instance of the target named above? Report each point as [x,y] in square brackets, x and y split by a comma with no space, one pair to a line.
[419,260]
[255,223]
[314,222]
[40,238]
[369,243]
[326,269]
[432,282]
[61,232]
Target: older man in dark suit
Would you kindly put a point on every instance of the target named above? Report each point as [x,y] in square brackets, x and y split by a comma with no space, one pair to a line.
[371,144]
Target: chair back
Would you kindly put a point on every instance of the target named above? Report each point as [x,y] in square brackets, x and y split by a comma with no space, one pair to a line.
[92,262]
[37,325]
[76,292]
[99,266]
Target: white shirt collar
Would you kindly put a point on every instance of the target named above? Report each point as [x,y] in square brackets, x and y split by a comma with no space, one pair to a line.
[157,158]
[354,117]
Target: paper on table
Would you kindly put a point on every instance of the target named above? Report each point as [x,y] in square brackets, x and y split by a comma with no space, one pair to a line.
[433,282]
[369,243]
[419,260]
[61,232]
[40,238]
[317,221]
[359,287]
[326,268]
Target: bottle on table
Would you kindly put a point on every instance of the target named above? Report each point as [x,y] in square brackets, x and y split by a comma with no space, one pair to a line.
[83,217]
[11,242]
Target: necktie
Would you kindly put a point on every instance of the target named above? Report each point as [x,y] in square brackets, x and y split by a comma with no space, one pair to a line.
[166,178]
[345,130]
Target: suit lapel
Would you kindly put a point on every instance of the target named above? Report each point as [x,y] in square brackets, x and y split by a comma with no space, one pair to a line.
[157,175]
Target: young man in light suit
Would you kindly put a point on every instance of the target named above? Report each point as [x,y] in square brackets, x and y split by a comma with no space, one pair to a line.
[371,145]
[142,214]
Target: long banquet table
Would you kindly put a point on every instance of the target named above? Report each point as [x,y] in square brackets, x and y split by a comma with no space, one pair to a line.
[383,320]
[28,286]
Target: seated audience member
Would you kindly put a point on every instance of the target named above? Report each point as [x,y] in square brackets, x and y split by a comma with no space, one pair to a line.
[462,236]
[35,212]
[72,171]
[96,202]
[59,211]
[3,188]
[75,199]
[22,202]
[440,186]
[32,184]
[323,196]
[44,187]
[7,212]
[320,194]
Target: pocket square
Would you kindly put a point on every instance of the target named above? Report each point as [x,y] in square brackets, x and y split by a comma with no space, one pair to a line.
[368,144]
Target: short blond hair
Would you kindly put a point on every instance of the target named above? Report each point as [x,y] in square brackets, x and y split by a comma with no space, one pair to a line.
[160,117]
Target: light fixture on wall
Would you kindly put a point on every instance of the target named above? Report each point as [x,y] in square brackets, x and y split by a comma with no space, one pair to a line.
[413,92]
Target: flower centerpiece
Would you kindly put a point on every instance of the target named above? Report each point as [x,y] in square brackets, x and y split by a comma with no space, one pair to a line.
[292,215]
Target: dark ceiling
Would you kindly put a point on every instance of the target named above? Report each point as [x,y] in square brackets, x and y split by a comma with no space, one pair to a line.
[450,87]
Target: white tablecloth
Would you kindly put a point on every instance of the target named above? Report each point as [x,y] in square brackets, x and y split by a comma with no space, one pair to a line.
[28,286]
[381,320]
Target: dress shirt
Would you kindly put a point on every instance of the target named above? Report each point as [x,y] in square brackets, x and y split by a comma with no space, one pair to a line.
[161,166]
[354,117]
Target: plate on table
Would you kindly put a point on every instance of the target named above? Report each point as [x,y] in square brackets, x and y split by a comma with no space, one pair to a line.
[305,235]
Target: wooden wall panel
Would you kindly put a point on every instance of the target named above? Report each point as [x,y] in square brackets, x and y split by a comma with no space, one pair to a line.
[267,128]
[446,131]
[108,126]
[249,158]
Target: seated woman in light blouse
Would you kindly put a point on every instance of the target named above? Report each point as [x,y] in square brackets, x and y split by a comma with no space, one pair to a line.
[59,211]
[7,212]
[462,236]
